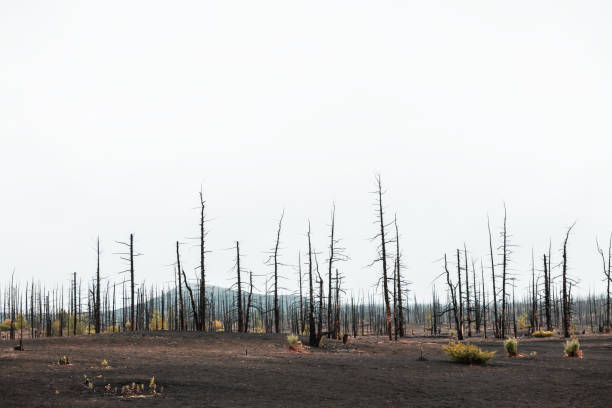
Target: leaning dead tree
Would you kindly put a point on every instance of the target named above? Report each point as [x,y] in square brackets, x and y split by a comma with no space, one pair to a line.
[453,296]
[566,295]
[382,256]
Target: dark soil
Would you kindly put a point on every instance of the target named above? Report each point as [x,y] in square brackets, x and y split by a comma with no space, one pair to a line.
[257,370]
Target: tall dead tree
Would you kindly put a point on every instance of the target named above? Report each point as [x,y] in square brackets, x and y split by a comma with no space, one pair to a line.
[97,302]
[383,253]
[460,297]
[453,296]
[74,309]
[239,289]
[336,253]
[248,309]
[566,302]
[311,312]
[547,295]
[504,272]
[273,259]
[467,292]
[493,279]
[398,279]
[302,316]
[607,278]
[130,259]
[203,232]
[180,289]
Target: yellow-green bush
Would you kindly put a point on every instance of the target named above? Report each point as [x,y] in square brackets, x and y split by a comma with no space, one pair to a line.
[572,348]
[542,333]
[511,346]
[293,340]
[466,353]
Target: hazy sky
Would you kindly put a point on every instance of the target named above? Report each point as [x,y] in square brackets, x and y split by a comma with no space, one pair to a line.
[112,114]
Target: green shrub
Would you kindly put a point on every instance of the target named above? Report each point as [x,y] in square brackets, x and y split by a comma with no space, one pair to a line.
[572,348]
[542,333]
[511,346]
[466,353]
[294,341]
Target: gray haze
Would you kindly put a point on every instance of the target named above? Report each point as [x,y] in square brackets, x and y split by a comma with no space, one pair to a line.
[112,114]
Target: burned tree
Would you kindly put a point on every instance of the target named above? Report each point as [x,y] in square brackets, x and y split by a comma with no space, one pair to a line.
[180,289]
[398,280]
[607,278]
[239,289]
[335,254]
[311,312]
[383,253]
[273,260]
[203,233]
[566,302]
[451,288]
[131,255]
[97,301]
[493,279]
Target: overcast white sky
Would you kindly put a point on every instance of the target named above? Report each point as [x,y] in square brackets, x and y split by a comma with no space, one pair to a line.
[112,114]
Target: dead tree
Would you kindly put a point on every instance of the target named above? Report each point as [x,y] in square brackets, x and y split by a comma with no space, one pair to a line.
[607,278]
[484,300]
[302,316]
[97,302]
[336,253]
[191,298]
[505,253]
[180,289]
[460,296]
[566,303]
[547,293]
[239,289]
[130,254]
[383,253]
[467,292]
[311,315]
[248,309]
[451,288]
[203,233]
[273,259]
[493,279]
[398,279]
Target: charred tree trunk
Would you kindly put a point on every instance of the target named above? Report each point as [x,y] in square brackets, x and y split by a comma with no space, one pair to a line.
[248,309]
[311,316]
[97,302]
[383,257]
[275,260]
[239,285]
[180,289]
[566,303]
[398,266]
[453,296]
[202,305]
[495,314]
